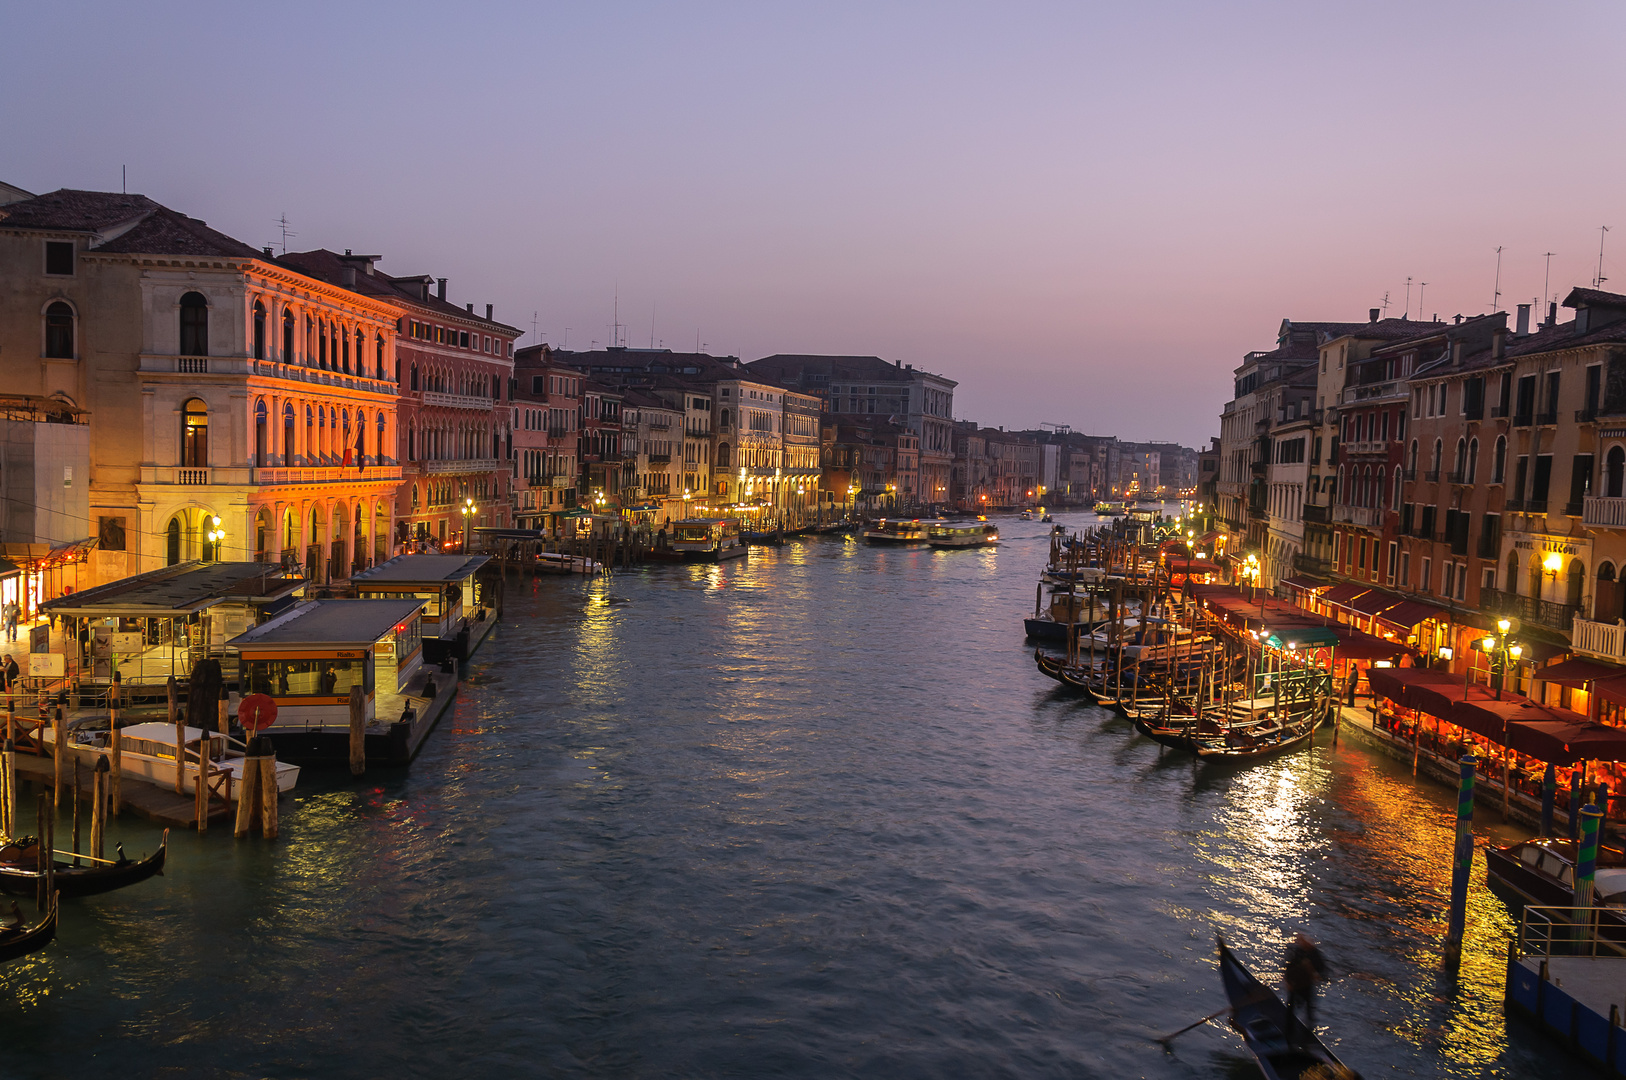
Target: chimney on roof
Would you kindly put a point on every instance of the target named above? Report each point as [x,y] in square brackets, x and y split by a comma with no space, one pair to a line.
[1372,314]
[488,313]
[347,277]
[267,250]
[1552,313]
[471,309]
[347,251]
[1522,325]
[441,291]
[1456,320]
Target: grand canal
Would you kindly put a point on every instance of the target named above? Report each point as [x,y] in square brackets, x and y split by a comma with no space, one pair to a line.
[812,813]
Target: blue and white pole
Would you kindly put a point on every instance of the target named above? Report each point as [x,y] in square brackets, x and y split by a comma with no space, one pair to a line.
[1462,859]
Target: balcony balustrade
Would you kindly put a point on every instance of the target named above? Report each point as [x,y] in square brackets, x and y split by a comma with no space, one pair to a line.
[1364,517]
[1547,419]
[458,401]
[461,465]
[1599,638]
[1432,476]
[1585,416]
[1603,512]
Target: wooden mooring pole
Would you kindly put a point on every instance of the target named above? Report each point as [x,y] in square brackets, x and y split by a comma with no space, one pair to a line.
[57,750]
[358,732]
[98,809]
[180,739]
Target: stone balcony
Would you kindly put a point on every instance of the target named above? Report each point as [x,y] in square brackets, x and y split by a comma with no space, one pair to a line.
[1600,639]
[160,364]
[250,476]
[1363,517]
[458,401]
[1601,512]
[461,465]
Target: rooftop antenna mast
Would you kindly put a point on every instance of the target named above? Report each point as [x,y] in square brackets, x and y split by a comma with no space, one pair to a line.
[1496,296]
[1407,313]
[615,325]
[534,314]
[286,232]
[1386,305]
[1421,285]
[1603,231]
[1548,276]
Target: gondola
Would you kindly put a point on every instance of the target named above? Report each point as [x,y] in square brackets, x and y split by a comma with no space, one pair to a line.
[19,873]
[1285,1047]
[20,941]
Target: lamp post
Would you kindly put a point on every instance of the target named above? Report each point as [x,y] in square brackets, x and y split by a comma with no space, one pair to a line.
[467,509]
[1499,649]
[215,535]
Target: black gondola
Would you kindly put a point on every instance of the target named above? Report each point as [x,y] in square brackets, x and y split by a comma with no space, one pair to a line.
[1285,1047]
[19,873]
[16,941]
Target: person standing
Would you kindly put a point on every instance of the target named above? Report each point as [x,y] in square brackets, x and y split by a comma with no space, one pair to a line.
[13,614]
[1305,970]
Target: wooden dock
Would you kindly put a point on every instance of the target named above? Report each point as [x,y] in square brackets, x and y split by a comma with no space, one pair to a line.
[141,797]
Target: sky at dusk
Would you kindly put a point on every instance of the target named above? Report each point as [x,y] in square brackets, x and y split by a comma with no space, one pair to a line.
[1084,213]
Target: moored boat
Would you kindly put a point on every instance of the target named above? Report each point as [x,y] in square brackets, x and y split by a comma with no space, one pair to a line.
[1541,871]
[707,539]
[20,874]
[1286,1048]
[19,941]
[147,752]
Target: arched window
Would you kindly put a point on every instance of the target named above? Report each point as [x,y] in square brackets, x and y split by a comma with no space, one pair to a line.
[1411,460]
[59,331]
[1399,489]
[287,336]
[342,340]
[1513,572]
[259,330]
[262,434]
[172,542]
[1473,460]
[380,346]
[1460,467]
[414,375]
[722,424]
[1381,492]
[194,434]
[361,439]
[1499,461]
[378,447]
[1615,472]
[411,446]
[1439,449]
[321,344]
[723,458]
[312,447]
[1535,571]
[1576,585]
[287,433]
[194,325]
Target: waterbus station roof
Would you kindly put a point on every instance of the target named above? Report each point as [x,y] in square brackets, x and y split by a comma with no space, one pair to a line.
[180,590]
[421,569]
[328,623]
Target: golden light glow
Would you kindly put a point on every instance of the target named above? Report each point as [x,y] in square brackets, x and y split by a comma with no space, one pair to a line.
[1488,644]
[1553,563]
[1503,625]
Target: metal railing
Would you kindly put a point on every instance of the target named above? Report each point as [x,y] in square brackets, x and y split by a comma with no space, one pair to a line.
[1432,476]
[1548,930]
[1458,477]
[1529,609]
[1498,412]
[1524,420]
[1547,419]
[1585,416]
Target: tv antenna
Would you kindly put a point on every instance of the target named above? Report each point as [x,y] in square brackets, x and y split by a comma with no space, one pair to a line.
[534,315]
[1496,295]
[1603,231]
[1407,312]
[1385,304]
[1421,285]
[286,232]
[1548,276]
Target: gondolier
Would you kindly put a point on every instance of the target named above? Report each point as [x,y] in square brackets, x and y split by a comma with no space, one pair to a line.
[1305,970]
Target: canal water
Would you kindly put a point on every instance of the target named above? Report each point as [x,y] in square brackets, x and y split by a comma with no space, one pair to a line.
[808,814]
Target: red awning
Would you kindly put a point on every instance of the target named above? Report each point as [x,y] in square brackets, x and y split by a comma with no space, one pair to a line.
[1611,689]
[1298,582]
[1207,537]
[1339,594]
[1408,613]
[1567,739]
[1354,645]
[1433,692]
[1574,673]
[1370,603]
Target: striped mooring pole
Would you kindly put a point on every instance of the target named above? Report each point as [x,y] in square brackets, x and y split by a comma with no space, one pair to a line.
[1462,858]
[1586,864]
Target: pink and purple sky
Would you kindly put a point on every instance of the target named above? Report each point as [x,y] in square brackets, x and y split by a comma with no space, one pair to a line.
[1084,213]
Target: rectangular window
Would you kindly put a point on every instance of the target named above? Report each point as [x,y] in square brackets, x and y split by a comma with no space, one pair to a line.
[463,339]
[1450,573]
[1580,482]
[59,258]
[1544,474]
[1594,386]
[1521,472]
[1423,579]
[1527,400]
[1489,580]
[1405,569]
[1394,554]
[1361,562]
[1462,582]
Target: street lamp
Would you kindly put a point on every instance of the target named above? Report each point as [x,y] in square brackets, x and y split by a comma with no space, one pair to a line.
[467,510]
[1499,649]
[215,535]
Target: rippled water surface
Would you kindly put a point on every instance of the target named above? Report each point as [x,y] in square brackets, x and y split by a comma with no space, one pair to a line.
[812,813]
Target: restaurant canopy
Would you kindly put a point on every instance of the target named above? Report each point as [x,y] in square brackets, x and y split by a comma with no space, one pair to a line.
[1407,614]
[1341,594]
[1574,673]
[1374,601]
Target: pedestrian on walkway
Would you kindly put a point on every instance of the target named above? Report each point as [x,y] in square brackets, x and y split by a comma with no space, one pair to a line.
[1350,683]
[12,614]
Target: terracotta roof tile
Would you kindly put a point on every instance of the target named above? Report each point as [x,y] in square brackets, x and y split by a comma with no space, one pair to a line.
[70,210]
[165,232]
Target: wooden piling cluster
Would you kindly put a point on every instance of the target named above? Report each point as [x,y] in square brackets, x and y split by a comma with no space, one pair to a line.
[257,798]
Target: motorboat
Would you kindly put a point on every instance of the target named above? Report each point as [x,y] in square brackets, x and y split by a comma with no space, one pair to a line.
[962,534]
[147,752]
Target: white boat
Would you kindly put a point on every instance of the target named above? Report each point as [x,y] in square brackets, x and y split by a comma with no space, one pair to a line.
[962,534]
[707,539]
[899,531]
[147,752]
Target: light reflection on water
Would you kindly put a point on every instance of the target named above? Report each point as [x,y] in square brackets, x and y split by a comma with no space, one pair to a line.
[808,813]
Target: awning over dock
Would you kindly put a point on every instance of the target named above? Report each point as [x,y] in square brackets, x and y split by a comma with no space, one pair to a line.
[422,570]
[179,590]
